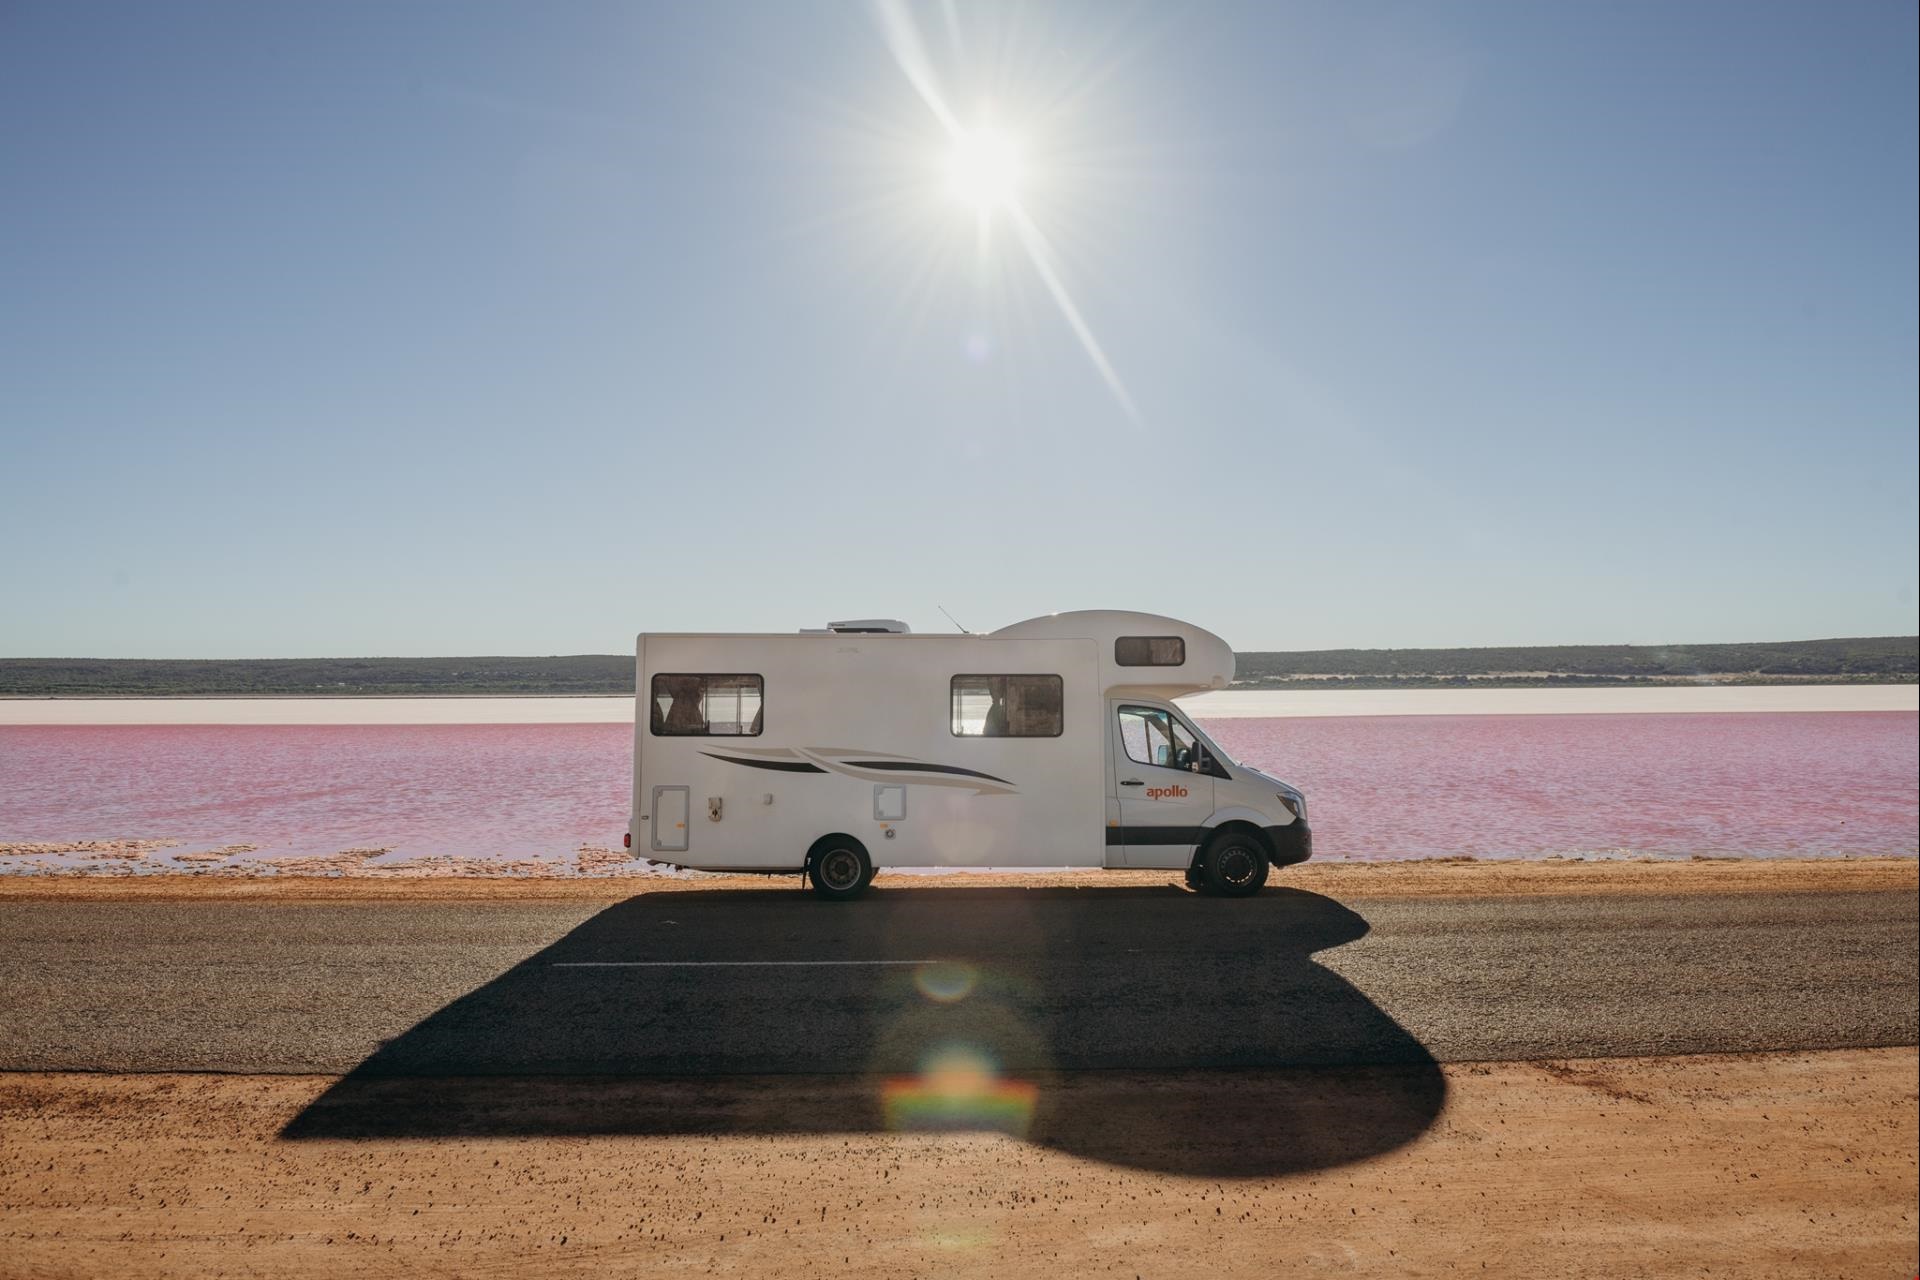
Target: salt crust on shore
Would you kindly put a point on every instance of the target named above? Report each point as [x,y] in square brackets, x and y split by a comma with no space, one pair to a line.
[1227,704]
[1433,878]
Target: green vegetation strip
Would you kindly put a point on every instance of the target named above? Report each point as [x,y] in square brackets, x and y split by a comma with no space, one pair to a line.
[1875,660]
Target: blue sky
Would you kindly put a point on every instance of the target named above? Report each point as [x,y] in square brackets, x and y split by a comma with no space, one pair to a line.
[424,328]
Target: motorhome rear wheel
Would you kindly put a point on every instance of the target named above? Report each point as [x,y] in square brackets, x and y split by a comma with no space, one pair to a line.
[839,868]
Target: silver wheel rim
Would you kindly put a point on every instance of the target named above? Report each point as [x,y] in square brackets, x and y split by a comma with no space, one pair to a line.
[1236,866]
[840,869]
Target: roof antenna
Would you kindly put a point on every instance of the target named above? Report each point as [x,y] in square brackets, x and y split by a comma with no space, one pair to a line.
[955,621]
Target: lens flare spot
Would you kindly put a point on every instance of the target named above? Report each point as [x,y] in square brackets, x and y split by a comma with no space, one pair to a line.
[959,1089]
[960,1238]
[944,983]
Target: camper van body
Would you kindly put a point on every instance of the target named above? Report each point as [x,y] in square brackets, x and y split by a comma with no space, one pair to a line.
[1053,742]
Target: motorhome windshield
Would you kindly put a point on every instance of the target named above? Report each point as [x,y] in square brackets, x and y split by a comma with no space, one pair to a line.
[1216,750]
[1213,748]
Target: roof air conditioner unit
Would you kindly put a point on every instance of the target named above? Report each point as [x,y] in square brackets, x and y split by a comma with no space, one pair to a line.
[870,626]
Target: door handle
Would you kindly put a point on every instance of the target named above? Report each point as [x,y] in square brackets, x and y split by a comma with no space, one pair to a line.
[1132,782]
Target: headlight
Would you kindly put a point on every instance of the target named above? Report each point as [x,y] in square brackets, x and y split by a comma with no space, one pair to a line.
[1296,805]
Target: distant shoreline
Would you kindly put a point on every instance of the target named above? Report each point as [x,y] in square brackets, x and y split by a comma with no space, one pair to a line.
[1873,660]
[1221,704]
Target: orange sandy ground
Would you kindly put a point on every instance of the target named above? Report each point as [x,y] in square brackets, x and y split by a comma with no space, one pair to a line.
[1747,1166]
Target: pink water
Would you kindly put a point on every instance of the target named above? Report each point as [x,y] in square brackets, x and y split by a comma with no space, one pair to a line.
[1746,784]
[1753,784]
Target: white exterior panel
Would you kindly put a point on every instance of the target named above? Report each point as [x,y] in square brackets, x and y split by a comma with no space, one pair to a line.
[857,727]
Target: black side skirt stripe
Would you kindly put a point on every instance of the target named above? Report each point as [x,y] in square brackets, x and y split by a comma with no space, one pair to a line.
[1155,835]
[781,766]
[908,766]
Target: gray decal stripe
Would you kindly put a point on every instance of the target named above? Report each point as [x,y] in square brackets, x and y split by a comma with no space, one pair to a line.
[783,766]
[909,766]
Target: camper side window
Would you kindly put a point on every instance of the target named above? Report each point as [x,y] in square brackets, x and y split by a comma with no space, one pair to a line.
[701,705]
[1008,706]
[1149,651]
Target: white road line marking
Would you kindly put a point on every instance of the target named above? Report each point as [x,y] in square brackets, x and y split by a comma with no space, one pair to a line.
[724,964]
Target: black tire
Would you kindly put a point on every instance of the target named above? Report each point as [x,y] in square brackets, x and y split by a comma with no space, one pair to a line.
[1236,864]
[839,868]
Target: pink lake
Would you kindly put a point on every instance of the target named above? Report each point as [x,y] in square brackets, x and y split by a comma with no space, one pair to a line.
[1671,785]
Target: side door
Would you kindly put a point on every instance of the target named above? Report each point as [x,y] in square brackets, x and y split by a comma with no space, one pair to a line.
[1163,801]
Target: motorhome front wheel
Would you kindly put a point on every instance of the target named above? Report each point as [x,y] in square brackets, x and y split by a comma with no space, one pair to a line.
[1236,865]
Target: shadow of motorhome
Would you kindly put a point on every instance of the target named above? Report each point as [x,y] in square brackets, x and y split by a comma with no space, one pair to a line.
[1145,1027]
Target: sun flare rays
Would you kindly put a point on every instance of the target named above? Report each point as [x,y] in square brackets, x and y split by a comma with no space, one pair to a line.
[986,169]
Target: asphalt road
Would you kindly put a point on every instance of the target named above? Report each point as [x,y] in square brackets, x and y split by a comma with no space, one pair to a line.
[773,981]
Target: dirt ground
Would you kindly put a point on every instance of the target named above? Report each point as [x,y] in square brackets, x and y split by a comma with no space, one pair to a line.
[1755,1166]
[1431,878]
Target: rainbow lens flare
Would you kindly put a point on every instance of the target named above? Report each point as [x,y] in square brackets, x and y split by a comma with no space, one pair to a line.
[959,1090]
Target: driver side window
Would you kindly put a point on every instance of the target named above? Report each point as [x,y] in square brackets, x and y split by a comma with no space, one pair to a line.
[1152,736]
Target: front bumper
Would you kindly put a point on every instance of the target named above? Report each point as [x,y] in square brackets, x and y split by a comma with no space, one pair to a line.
[1290,844]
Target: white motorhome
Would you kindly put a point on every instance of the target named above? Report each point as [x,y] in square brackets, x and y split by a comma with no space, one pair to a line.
[1052,742]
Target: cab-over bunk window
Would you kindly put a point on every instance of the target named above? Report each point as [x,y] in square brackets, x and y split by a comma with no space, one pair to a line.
[706,706]
[1149,651]
[1008,706]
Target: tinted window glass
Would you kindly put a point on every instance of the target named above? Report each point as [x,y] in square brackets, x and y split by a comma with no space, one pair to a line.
[706,705]
[1008,706]
[1149,651]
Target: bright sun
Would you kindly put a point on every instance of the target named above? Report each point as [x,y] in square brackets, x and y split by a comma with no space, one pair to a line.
[985,169]
[990,171]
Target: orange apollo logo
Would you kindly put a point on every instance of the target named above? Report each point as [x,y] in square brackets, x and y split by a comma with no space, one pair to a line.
[1174,792]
